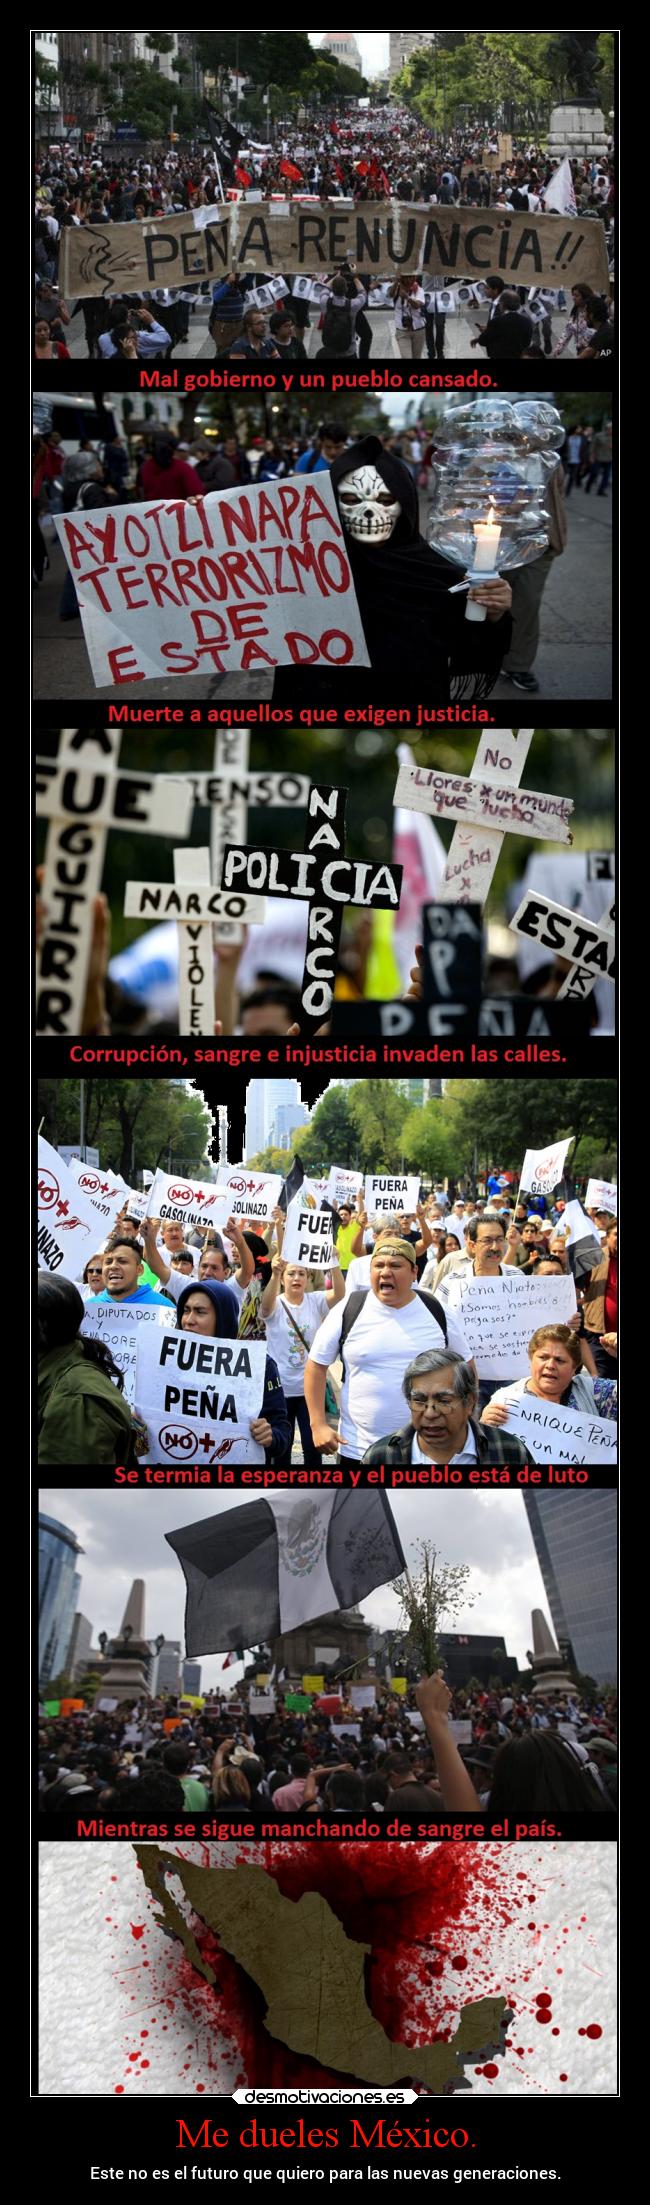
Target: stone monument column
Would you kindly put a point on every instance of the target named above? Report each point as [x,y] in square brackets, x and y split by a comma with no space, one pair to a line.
[125,1675]
[577,127]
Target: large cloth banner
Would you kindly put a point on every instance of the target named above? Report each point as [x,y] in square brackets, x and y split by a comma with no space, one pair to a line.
[552,1434]
[118,1325]
[381,238]
[500,1315]
[237,579]
[199,1396]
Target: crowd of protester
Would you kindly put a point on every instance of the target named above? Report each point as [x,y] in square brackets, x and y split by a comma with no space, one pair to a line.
[370,1358]
[391,154]
[525,1752]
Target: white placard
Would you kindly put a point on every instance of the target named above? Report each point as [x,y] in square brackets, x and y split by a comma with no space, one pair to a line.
[343,1186]
[106,1707]
[266,581]
[345,1730]
[323,1655]
[67,1226]
[500,1315]
[198,1396]
[555,1435]
[390,1197]
[461,1731]
[139,803]
[188,1202]
[543,1168]
[97,1188]
[261,1703]
[119,1325]
[363,1695]
[308,1237]
[253,1194]
[414,1717]
[602,1194]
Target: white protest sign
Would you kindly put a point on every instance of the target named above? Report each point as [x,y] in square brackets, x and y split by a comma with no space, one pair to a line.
[473,852]
[602,1194]
[84,795]
[587,945]
[486,803]
[414,1717]
[188,1202]
[205,587]
[543,1168]
[500,1315]
[197,907]
[118,1324]
[343,1186]
[323,1655]
[390,1197]
[67,1227]
[308,1235]
[105,1706]
[363,1695]
[261,1703]
[553,1434]
[96,1185]
[345,1730]
[198,1397]
[581,1227]
[461,1731]
[253,1194]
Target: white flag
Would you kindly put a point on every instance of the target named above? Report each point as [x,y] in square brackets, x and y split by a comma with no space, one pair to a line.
[559,197]
[543,1168]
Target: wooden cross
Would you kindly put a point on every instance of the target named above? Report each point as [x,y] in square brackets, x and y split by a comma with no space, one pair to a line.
[326,880]
[228,790]
[488,803]
[588,945]
[84,796]
[196,906]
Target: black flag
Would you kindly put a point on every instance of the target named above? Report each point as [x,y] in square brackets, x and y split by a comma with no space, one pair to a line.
[227,141]
[292,1184]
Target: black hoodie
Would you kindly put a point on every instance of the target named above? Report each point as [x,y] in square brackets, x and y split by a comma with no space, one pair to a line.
[414,630]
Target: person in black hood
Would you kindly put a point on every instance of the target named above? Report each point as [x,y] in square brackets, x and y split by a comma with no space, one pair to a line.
[413,628]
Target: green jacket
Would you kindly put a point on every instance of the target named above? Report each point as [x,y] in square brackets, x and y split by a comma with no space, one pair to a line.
[82,1416]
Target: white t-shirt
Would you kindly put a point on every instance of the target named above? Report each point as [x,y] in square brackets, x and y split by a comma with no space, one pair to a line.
[283,1342]
[467,1453]
[409,312]
[380,1345]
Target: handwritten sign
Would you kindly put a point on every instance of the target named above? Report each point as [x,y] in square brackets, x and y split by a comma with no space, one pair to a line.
[187,1202]
[553,1434]
[199,1396]
[588,946]
[118,1325]
[500,1315]
[308,1236]
[380,238]
[473,851]
[602,1194]
[253,1194]
[485,803]
[178,588]
[390,1197]
[67,1225]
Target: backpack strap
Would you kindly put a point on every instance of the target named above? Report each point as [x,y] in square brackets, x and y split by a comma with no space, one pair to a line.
[353,1306]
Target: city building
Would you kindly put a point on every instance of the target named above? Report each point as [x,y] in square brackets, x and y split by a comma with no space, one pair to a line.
[162,63]
[405,43]
[58,1589]
[166,1668]
[264,1101]
[47,95]
[574,1536]
[343,46]
[287,1118]
[78,1655]
[192,1677]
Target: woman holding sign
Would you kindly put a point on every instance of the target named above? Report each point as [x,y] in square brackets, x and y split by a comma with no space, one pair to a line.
[211,1309]
[293,1316]
[556,1377]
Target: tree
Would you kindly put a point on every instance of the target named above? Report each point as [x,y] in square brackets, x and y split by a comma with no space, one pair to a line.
[377,1112]
[497,1120]
[425,1141]
[133,1123]
[271,1159]
[88,1686]
[434,1590]
[331,1136]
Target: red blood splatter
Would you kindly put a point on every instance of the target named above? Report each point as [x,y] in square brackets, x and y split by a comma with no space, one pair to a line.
[119,2090]
[145,2063]
[555,2032]
[460,1961]
[594,2030]
[137,1930]
[543,1998]
[543,2015]
[491,2069]
[564,2078]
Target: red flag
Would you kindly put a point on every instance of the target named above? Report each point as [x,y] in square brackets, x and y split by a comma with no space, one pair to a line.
[339,173]
[362,168]
[334,129]
[243,178]
[288,168]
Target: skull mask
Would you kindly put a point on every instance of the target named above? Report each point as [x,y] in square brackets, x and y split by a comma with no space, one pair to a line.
[368,511]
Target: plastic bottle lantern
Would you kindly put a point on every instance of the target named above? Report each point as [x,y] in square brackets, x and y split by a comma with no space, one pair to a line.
[489,509]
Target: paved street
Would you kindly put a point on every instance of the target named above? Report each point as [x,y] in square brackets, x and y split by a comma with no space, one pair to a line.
[574,658]
[199,346]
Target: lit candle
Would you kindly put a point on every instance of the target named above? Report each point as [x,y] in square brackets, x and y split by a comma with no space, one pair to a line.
[487,537]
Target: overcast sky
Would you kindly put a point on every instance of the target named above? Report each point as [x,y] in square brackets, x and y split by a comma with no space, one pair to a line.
[374,48]
[123,1536]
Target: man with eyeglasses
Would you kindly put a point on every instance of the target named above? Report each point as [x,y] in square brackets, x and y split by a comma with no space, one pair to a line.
[440,1389]
[376,1332]
[489,1252]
